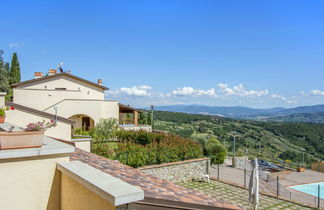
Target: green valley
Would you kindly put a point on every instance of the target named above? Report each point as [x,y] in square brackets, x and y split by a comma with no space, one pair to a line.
[266,140]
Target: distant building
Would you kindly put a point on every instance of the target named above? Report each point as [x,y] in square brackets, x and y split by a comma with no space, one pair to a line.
[318,166]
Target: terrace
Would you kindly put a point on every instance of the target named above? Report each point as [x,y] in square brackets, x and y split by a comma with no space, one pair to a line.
[57,176]
[45,178]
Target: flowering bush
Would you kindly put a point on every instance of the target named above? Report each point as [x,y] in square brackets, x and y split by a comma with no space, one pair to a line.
[40,126]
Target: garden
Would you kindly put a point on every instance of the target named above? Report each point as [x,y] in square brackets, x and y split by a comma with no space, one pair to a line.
[141,148]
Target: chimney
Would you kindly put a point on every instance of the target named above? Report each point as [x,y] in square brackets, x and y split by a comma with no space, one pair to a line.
[99,81]
[52,72]
[38,75]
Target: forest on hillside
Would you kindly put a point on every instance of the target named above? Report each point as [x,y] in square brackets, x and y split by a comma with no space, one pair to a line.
[266,140]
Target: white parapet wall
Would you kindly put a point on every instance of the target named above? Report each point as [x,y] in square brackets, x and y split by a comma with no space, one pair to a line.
[83,143]
[28,176]
[87,188]
[2,99]
[22,118]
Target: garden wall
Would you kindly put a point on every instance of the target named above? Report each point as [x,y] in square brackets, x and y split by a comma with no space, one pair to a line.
[179,171]
[242,162]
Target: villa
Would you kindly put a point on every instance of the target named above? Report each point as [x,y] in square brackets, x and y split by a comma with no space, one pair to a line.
[73,102]
[60,173]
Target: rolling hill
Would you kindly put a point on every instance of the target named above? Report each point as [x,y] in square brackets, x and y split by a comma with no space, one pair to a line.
[299,114]
[317,117]
[267,140]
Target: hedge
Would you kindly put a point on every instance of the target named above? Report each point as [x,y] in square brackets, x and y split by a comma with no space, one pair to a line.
[140,148]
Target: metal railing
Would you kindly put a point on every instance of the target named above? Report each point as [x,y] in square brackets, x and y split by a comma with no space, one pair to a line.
[272,184]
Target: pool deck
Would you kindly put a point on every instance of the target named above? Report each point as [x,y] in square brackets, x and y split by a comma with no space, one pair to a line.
[306,177]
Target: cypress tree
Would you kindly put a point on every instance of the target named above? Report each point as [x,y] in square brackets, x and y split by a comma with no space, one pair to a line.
[14,69]
[4,74]
[4,78]
[149,118]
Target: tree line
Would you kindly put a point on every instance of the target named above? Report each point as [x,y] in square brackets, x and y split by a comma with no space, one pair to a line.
[9,74]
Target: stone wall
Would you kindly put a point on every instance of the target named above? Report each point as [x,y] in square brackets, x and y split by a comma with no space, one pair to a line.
[179,171]
[241,162]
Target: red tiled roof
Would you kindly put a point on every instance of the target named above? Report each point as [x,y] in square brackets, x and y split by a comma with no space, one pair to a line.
[152,186]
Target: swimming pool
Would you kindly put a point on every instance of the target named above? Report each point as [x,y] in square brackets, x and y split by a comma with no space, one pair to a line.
[311,189]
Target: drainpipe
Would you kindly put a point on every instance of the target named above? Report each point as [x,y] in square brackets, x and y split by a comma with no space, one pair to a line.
[55,108]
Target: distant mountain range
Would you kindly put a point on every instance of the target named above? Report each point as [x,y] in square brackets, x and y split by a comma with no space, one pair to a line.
[299,114]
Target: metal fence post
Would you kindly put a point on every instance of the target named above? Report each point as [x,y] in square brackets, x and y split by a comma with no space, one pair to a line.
[244,178]
[218,172]
[277,186]
[318,198]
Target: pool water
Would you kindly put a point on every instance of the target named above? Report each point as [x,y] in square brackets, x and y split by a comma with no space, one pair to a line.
[311,189]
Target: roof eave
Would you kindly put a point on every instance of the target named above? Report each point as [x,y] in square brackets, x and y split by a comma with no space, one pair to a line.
[56,75]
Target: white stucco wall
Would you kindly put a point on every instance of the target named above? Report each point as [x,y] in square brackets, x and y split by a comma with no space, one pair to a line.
[61,130]
[30,184]
[42,94]
[95,109]
[2,99]
[85,145]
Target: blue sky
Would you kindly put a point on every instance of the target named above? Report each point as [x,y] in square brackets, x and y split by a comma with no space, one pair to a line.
[248,53]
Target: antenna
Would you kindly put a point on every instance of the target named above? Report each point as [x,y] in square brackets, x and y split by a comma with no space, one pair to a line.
[59,67]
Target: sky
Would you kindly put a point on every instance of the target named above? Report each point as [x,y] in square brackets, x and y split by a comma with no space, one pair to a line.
[221,53]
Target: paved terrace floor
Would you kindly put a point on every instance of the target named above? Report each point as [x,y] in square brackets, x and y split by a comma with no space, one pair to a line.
[308,176]
[236,176]
[239,196]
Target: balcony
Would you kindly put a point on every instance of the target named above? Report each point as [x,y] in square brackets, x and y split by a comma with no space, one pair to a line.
[45,178]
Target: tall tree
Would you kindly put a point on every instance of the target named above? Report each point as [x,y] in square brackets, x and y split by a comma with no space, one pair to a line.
[149,118]
[14,69]
[4,75]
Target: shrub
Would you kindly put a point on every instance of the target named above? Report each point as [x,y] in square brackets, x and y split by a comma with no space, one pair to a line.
[131,154]
[139,148]
[81,132]
[215,150]
[103,149]
[105,129]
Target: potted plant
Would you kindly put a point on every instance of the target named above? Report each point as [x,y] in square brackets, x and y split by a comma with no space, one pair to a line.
[31,137]
[3,114]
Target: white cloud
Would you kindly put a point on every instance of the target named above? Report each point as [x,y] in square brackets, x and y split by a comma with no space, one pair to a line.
[303,93]
[190,91]
[240,90]
[15,45]
[132,91]
[226,89]
[317,92]
[143,94]
[283,98]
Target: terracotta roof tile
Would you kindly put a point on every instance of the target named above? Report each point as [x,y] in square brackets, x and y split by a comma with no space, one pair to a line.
[152,186]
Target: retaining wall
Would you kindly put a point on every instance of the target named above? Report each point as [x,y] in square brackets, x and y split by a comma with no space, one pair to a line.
[179,171]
